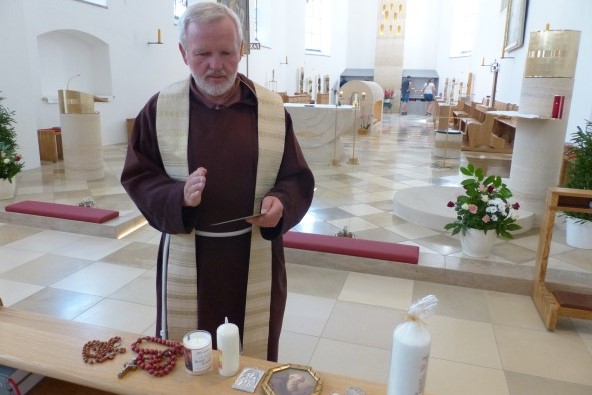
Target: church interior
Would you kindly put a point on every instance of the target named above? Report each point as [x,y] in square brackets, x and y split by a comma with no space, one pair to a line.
[379,175]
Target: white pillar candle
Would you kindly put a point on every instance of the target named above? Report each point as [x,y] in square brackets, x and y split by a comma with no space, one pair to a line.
[228,342]
[409,359]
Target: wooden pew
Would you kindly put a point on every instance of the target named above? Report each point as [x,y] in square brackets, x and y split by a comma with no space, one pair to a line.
[322,98]
[442,116]
[296,98]
[461,111]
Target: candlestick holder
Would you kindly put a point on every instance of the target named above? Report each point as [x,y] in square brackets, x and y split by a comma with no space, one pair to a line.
[356,104]
[158,39]
[334,160]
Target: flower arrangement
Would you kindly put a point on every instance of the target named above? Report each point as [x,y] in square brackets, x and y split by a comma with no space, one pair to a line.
[388,93]
[10,163]
[10,160]
[484,206]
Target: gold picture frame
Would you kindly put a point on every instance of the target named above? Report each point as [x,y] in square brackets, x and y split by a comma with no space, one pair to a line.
[515,23]
[241,8]
[291,379]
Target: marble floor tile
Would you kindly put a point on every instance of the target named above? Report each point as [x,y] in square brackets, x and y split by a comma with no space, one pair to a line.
[101,279]
[544,354]
[483,342]
[307,314]
[377,290]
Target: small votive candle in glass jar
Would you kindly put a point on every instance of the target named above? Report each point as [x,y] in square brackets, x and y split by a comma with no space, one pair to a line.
[198,352]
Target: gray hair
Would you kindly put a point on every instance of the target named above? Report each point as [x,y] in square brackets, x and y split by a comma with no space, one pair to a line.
[206,12]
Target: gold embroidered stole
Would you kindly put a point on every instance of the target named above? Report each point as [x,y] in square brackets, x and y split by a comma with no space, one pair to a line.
[172,124]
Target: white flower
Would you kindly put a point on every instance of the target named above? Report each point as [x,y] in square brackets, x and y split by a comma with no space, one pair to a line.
[494,218]
[491,209]
[6,161]
[484,198]
[465,206]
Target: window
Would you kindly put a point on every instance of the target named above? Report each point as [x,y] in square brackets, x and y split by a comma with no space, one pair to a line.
[317,27]
[179,7]
[463,28]
[263,22]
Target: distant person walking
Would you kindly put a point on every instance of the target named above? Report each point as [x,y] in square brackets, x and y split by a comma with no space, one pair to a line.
[429,89]
[405,92]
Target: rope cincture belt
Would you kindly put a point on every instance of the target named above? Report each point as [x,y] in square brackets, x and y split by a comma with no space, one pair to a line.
[222,234]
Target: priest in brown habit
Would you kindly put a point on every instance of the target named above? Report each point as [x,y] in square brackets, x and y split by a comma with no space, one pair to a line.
[208,149]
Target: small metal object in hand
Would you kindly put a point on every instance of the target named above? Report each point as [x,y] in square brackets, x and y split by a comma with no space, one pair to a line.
[127,367]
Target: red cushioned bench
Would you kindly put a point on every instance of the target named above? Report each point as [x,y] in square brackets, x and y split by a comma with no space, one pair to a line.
[350,246]
[64,211]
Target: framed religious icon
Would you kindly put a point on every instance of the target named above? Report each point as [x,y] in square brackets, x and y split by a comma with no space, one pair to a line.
[241,8]
[515,22]
[292,380]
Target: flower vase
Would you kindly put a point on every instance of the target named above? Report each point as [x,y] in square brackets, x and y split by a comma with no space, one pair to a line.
[476,243]
[7,189]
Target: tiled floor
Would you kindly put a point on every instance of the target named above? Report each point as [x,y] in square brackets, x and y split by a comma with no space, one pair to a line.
[483,341]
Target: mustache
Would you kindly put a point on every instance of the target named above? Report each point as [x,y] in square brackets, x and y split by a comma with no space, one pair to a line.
[215,74]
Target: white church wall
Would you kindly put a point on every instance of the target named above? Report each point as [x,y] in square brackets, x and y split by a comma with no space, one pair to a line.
[138,70]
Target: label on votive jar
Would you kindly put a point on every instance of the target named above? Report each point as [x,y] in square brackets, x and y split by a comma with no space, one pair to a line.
[198,352]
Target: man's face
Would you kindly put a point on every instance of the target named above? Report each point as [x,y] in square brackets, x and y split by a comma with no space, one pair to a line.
[213,52]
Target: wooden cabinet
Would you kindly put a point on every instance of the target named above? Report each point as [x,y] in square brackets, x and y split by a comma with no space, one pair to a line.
[552,301]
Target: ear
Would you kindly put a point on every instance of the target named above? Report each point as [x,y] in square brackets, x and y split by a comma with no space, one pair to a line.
[183,54]
[241,49]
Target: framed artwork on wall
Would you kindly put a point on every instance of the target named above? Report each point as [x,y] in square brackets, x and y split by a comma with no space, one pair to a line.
[515,23]
[241,8]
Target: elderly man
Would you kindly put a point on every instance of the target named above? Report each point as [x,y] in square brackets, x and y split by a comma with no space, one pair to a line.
[205,150]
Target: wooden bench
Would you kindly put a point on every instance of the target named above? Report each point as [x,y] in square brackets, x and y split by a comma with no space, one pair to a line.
[442,115]
[459,111]
[322,98]
[352,246]
[296,98]
[51,347]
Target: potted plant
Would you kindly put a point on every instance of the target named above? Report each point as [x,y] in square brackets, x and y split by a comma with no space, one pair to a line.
[10,160]
[482,212]
[388,98]
[579,176]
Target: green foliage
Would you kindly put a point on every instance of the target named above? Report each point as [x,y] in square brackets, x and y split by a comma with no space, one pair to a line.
[484,206]
[579,172]
[10,160]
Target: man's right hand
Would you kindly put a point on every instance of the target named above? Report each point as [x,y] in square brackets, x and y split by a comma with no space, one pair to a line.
[194,186]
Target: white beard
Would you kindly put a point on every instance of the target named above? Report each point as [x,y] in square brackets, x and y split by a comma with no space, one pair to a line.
[211,89]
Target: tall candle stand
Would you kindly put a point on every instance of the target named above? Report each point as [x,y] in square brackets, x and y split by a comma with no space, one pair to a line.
[335,161]
[356,104]
[494,68]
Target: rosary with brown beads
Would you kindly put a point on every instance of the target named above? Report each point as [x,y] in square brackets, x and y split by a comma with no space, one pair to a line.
[157,362]
[98,351]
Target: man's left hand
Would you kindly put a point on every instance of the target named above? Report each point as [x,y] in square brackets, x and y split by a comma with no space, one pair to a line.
[272,211]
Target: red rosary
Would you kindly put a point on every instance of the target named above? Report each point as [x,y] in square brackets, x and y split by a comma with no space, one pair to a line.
[157,362]
[98,351]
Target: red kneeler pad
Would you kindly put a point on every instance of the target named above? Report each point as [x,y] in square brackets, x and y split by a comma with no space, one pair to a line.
[350,246]
[64,211]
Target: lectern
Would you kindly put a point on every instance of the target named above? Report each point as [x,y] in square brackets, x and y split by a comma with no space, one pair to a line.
[81,135]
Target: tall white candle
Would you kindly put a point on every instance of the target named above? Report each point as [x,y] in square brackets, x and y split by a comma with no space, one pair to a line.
[228,342]
[409,359]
